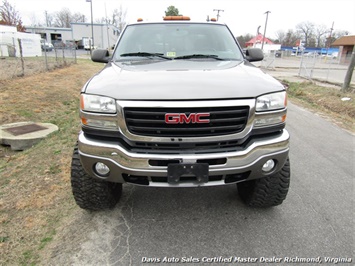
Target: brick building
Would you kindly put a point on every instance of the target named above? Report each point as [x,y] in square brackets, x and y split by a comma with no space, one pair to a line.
[346,46]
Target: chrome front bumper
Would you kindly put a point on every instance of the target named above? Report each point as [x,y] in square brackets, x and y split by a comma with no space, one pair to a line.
[126,166]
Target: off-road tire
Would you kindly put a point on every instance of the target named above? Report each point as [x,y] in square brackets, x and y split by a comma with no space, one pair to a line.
[91,193]
[267,191]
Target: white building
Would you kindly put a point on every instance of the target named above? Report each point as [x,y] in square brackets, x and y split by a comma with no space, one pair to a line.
[51,34]
[9,43]
[105,35]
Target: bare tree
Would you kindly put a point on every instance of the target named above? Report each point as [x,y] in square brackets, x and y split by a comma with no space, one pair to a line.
[306,29]
[281,36]
[312,41]
[64,17]
[339,33]
[291,38]
[102,20]
[118,18]
[320,32]
[334,36]
[49,19]
[78,17]
[35,20]
[243,39]
[10,16]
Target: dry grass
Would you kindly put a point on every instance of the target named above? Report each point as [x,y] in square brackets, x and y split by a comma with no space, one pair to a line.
[35,192]
[35,189]
[326,100]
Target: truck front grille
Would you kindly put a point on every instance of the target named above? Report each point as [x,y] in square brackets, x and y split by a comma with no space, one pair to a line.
[151,121]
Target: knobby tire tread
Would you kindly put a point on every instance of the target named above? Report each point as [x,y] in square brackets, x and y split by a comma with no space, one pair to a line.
[267,191]
[91,193]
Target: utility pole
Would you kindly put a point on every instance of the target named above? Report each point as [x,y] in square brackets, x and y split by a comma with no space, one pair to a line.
[330,35]
[263,40]
[46,14]
[92,28]
[329,41]
[349,73]
[218,10]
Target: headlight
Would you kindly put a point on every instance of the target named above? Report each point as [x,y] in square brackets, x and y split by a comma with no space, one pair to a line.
[271,101]
[98,111]
[270,110]
[97,104]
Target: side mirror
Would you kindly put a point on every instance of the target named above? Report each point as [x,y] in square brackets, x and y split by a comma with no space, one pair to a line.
[100,56]
[254,54]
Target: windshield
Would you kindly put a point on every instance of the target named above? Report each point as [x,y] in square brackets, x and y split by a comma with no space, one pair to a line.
[167,41]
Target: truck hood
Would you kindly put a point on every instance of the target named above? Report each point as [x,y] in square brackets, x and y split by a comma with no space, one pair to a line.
[181,80]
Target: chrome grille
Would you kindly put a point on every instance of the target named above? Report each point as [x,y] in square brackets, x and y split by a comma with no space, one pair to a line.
[151,121]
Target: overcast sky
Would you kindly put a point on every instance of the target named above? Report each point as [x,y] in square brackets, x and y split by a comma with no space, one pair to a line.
[242,16]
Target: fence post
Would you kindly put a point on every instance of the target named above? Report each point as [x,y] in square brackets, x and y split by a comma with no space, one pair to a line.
[64,62]
[21,57]
[74,52]
[301,65]
[45,58]
[56,56]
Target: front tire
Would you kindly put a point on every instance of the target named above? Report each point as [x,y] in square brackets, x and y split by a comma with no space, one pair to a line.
[91,193]
[267,191]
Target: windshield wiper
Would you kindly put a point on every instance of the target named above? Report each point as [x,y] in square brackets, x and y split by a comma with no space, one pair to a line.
[145,54]
[199,56]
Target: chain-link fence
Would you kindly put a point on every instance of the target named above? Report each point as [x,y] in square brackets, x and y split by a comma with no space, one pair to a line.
[322,67]
[269,60]
[14,64]
[311,66]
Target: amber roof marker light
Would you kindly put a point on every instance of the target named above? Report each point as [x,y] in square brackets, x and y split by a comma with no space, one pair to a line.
[176,18]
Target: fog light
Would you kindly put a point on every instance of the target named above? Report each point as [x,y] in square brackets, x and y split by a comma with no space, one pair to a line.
[102,169]
[268,166]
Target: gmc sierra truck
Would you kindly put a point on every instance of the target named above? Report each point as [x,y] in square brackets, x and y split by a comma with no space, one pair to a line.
[179,104]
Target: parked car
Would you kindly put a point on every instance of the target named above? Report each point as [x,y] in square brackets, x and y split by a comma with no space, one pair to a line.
[71,45]
[332,55]
[45,46]
[311,54]
[278,53]
[59,44]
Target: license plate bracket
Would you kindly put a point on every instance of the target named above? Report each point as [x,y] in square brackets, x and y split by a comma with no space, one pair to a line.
[176,170]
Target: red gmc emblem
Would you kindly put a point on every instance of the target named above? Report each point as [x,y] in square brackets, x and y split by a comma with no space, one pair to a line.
[193,118]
